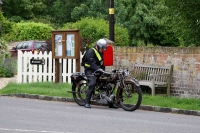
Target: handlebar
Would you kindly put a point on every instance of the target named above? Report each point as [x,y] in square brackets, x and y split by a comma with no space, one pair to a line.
[125,72]
[107,74]
[102,72]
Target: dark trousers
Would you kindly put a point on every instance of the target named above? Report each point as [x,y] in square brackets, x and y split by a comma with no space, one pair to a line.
[91,84]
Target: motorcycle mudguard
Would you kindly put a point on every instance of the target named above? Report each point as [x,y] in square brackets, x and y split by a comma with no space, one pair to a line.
[77,83]
[77,76]
[134,81]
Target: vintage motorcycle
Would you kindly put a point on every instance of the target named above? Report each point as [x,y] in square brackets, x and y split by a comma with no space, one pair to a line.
[113,87]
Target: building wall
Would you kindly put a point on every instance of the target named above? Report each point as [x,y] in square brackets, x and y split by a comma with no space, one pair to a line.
[186,73]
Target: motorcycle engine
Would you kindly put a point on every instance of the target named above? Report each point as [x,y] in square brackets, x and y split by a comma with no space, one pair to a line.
[109,87]
[103,86]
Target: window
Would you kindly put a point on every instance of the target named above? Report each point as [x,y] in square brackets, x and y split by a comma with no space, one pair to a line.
[29,45]
[26,45]
[37,45]
[19,46]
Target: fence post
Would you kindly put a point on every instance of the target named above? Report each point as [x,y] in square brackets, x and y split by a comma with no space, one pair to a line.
[19,69]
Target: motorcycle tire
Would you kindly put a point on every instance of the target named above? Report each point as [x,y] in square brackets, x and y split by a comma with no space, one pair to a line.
[129,97]
[79,92]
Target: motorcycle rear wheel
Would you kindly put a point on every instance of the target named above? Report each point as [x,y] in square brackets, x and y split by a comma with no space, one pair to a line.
[129,97]
[79,92]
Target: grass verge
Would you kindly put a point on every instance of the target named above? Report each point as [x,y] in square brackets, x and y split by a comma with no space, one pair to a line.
[60,90]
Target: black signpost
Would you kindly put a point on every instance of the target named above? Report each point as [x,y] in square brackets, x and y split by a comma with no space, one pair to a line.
[111,20]
[37,61]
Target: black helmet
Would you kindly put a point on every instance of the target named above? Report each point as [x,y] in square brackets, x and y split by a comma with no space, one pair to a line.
[102,44]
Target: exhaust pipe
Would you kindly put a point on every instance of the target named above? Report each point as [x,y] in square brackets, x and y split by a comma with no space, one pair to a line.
[109,99]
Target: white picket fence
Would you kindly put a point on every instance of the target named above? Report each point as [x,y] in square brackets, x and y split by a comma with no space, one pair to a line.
[28,73]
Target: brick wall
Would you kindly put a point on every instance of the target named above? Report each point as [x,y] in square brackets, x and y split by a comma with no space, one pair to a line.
[186,75]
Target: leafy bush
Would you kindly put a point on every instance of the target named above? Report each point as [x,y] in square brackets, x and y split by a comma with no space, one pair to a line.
[15,19]
[3,48]
[30,31]
[8,68]
[5,26]
[93,29]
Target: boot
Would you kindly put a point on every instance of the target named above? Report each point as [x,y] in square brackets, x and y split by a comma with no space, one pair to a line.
[87,101]
[87,105]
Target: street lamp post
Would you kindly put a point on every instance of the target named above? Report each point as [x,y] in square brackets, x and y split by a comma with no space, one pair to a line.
[111,20]
[1,2]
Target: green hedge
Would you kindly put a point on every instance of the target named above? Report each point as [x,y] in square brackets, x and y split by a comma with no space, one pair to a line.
[30,31]
[92,29]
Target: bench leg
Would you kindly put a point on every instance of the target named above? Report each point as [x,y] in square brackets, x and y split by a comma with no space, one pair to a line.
[153,87]
[168,91]
[153,91]
[168,87]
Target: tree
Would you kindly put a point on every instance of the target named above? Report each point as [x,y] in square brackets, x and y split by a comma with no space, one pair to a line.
[99,9]
[146,21]
[91,8]
[140,21]
[186,17]
[62,10]
[17,10]
[165,34]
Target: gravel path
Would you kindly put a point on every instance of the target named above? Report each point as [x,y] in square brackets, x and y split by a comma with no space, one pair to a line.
[5,81]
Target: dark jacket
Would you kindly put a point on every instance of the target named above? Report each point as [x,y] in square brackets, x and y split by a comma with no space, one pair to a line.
[92,60]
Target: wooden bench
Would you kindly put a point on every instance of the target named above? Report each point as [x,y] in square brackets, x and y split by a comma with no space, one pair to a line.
[153,76]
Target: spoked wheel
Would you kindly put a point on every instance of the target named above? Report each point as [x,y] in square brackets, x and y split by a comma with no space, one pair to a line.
[129,97]
[79,92]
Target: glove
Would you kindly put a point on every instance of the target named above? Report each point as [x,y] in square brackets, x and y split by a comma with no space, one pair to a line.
[100,70]
[103,72]
[106,74]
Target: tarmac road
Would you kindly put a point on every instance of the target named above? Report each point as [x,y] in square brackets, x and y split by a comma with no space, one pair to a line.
[21,115]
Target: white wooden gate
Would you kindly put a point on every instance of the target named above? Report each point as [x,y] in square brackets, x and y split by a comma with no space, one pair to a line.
[28,73]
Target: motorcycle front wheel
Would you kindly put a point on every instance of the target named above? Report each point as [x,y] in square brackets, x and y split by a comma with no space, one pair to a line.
[79,92]
[129,97]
